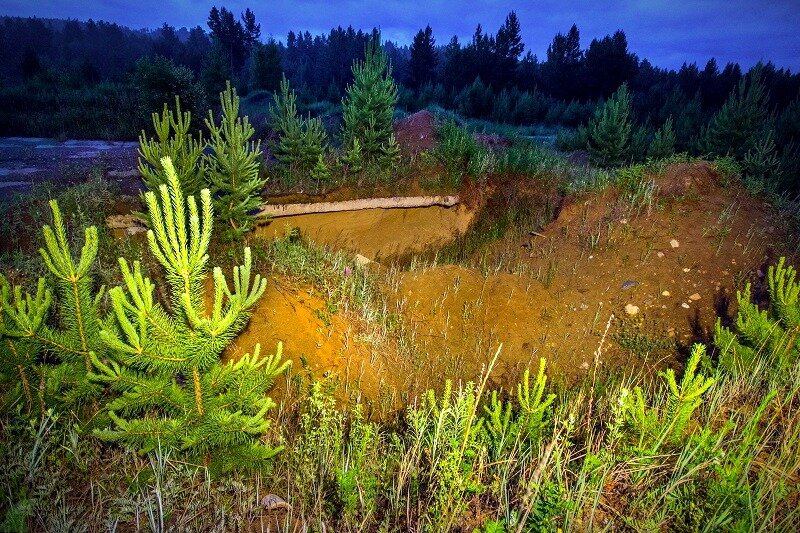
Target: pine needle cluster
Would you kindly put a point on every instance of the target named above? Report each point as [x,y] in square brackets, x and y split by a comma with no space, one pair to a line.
[173,390]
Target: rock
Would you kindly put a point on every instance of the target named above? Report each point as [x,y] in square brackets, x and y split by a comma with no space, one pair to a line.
[273,502]
[126,223]
[124,174]
[666,293]
[631,309]
[660,255]
[674,243]
[685,305]
[361,260]
[694,297]
[686,269]
[629,284]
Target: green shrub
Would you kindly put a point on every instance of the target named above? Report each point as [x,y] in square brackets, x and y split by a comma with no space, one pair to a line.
[663,143]
[173,141]
[233,167]
[610,130]
[460,154]
[302,142]
[772,334]
[735,128]
[368,108]
[27,335]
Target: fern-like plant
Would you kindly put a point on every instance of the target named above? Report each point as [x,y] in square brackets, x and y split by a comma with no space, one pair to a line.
[174,391]
[172,140]
[772,334]
[233,167]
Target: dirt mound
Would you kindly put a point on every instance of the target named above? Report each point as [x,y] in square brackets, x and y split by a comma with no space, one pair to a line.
[682,178]
[315,339]
[416,133]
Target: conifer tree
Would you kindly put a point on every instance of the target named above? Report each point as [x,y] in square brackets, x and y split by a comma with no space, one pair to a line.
[233,166]
[54,357]
[368,108]
[663,143]
[423,58]
[302,142]
[735,128]
[174,390]
[610,129]
[772,333]
[172,140]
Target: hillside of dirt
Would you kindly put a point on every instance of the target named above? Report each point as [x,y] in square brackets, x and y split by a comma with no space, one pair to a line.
[658,277]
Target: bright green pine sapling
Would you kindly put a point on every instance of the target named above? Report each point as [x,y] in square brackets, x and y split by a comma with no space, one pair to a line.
[772,334]
[172,140]
[657,426]
[302,142]
[368,108]
[233,167]
[504,425]
[174,390]
[68,344]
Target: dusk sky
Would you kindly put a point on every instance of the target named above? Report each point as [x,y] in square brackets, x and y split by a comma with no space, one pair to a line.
[667,33]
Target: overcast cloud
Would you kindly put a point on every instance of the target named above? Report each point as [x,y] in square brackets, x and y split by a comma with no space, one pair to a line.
[667,33]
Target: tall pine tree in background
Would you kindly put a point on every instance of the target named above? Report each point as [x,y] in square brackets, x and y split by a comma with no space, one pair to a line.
[265,67]
[233,167]
[736,127]
[302,142]
[508,47]
[174,391]
[368,108]
[423,58]
[610,130]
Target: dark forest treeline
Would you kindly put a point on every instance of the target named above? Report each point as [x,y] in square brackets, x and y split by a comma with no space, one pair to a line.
[97,79]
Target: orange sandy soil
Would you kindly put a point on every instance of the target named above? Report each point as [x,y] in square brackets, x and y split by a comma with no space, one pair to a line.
[453,318]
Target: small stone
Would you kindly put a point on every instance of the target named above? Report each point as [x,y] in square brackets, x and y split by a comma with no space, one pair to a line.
[629,284]
[360,260]
[674,243]
[685,305]
[686,269]
[631,309]
[694,297]
[273,502]
[660,255]
[666,293]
